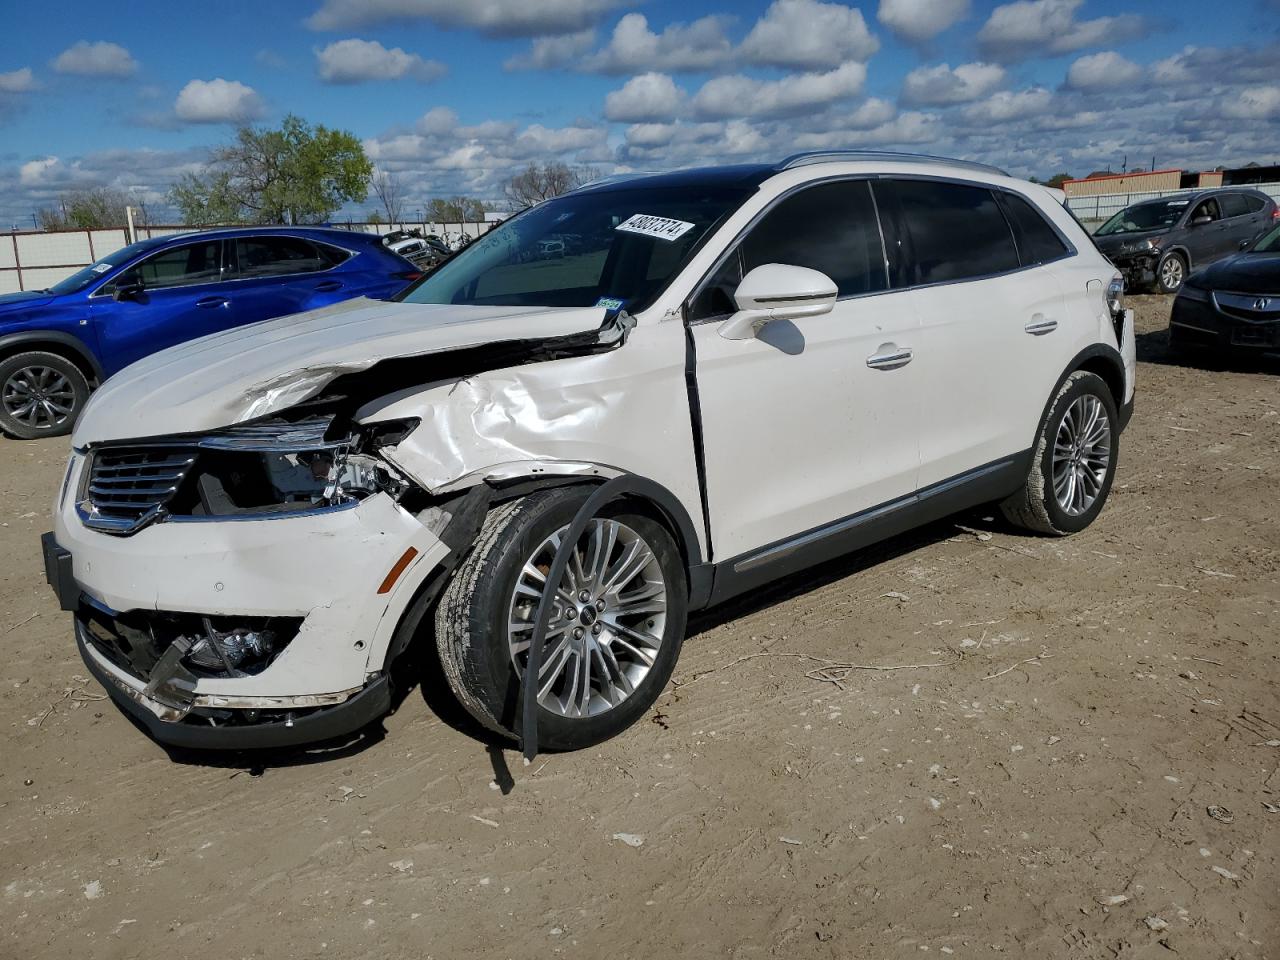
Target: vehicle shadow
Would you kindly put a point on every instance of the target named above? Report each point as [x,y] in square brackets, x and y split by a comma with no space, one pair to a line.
[1153,347]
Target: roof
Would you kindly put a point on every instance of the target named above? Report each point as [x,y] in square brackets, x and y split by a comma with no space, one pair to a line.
[333,234]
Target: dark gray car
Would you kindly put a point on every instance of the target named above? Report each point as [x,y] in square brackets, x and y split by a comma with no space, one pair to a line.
[1157,243]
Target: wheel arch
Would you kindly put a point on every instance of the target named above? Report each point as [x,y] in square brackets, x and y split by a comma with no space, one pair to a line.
[54,341]
[1098,358]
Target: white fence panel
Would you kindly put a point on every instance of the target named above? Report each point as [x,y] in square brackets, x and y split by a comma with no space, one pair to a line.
[53,250]
[8,281]
[6,253]
[107,241]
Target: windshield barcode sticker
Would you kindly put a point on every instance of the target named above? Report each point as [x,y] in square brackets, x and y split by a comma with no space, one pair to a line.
[659,227]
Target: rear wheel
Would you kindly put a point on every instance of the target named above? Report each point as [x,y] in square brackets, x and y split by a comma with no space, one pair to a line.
[41,394]
[617,621]
[1075,460]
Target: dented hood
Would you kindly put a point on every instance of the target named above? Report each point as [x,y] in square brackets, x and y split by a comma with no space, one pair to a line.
[251,371]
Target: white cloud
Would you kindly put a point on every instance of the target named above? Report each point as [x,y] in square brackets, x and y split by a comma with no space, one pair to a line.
[18,81]
[101,59]
[680,47]
[806,34]
[1028,28]
[34,172]
[503,18]
[650,96]
[548,53]
[919,20]
[1253,103]
[907,129]
[360,61]
[742,96]
[1009,105]
[218,101]
[941,85]
[1102,71]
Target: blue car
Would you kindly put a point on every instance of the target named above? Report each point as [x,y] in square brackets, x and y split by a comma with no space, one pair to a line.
[56,344]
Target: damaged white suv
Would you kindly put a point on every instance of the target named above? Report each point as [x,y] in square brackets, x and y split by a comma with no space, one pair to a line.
[655,393]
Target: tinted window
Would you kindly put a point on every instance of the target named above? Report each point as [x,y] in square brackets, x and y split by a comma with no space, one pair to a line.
[1234,205]
[177,267]
[1037,241]
[949,232]
[831,228]
[1255,204]
[278,257]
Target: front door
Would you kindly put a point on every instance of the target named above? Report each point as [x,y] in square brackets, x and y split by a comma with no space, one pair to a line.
[806,423]
[178,294]
[1206,242]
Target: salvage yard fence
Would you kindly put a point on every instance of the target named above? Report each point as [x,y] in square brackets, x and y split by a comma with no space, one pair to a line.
[34,260]
[1093,210]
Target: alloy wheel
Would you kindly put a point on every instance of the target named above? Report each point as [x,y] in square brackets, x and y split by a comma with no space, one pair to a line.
[1081,455]
[607,619]
[1171,273]
[38,396]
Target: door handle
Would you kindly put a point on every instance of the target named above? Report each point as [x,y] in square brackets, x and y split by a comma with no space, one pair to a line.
[209,303]
[890,356]
[1040,325]
[328,286]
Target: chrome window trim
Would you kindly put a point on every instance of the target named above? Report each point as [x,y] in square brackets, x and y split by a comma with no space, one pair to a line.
[351,254]
[735,243]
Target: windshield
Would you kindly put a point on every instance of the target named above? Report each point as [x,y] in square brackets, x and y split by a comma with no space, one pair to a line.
[1270,243]
[90,274]
[1150,215]
[614,249]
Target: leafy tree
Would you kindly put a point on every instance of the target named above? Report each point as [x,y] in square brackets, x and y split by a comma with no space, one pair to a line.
[375,216]
[1058,179]
[92,209]
[456,210]
[535,184]
[296,174]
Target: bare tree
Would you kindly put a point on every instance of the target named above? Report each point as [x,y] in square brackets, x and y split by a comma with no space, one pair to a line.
[390,190]
[455,210]
[535,184]
[91,209]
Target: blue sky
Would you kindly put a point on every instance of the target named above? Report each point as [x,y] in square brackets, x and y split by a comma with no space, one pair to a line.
[453,97]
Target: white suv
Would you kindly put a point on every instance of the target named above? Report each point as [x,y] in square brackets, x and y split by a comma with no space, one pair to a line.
[736,373]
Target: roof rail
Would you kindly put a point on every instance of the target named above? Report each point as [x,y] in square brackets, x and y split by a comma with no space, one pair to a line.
[833,156]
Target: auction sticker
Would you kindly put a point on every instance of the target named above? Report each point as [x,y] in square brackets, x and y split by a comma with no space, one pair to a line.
[660,227]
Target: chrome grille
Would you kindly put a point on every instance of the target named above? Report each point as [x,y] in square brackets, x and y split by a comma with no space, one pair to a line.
[129,487]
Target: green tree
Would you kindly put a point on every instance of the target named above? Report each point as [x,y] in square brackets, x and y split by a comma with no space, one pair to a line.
[1058,179]
[456,210]
[296,174]
[92,209]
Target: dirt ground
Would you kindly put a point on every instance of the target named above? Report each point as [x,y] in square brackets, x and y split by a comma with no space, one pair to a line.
[1082,762]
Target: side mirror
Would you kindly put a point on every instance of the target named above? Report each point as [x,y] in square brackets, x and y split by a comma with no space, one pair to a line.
[1201,220]
[1244,244]
[126,291]
[778,291]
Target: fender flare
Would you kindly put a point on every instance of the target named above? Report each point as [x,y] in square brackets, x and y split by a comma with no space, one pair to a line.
[1096,351]
[47,337]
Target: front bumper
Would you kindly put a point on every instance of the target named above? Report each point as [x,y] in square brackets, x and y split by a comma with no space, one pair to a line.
[1139,270]
[201,731]
[1197,322]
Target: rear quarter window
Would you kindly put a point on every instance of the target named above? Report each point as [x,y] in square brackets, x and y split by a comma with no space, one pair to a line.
[1037,241]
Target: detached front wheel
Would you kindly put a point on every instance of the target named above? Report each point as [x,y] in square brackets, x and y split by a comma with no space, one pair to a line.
[617,623]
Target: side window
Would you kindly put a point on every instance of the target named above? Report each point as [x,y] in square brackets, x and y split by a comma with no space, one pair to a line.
[831,227]
[1206,208]
[1255,204]
[953,232]
[177,267]
[1037,241]
[1235,205]
[277,257]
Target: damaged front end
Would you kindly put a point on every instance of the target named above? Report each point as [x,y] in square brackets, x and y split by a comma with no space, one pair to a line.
[277,466]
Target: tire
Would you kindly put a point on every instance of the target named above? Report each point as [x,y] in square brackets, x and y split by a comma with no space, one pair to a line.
[475,641]
[41,395]
[1037,506]
[1170,272]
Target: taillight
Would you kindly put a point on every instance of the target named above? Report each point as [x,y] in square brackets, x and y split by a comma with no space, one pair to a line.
[1275,213]
[408,275]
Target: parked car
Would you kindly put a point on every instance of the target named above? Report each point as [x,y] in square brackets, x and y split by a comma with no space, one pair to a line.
[56,344]
[754,369]
[1233,304]
[1157,243]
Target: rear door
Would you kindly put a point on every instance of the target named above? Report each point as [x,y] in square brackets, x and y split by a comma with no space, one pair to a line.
[1244,219]
[183,295]
[990,340]
[277,275]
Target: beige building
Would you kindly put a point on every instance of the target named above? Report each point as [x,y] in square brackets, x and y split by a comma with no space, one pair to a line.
[1157,181]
